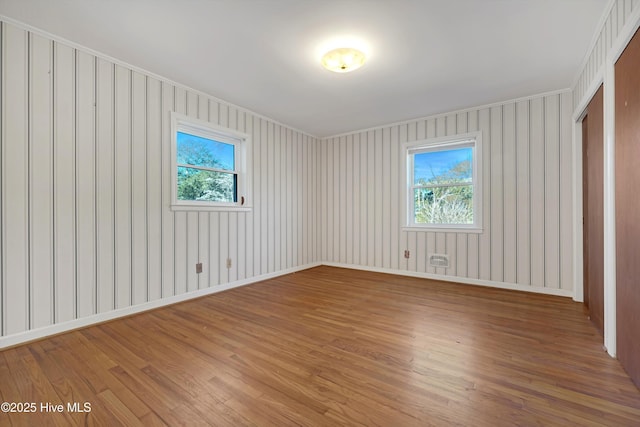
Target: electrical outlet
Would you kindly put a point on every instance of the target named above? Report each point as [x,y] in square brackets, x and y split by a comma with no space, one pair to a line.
[407,254]
[199,268]
[228,262]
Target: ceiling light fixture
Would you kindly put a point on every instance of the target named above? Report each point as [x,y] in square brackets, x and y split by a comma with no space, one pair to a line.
[343,59]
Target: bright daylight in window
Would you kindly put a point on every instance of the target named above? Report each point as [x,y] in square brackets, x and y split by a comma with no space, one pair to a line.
[443,183]
[209,166]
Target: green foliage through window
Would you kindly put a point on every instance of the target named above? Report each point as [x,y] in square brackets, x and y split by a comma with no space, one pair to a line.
[205,169]
[443,187]
[204,185]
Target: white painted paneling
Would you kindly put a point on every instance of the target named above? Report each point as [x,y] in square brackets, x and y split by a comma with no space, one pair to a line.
[106,235]
[2,190]
[412,246]
[153,180]
[496,189]
[322,198]
[421,252]
[262,206]
[327,202]
[291,162]
[168,217]
[378,242]
[537,172]
[251,248]
[192,245]
[204,278]
[86,190]
[257,176]
[223,237]
[523,191]
[461,267]
[441,248]
[566,194]
[301,232]
[348,186]
[269,202]
[190,257]
[277,198]
[524,181]
[403,131]
[356,200]
[64,181]
[430,248]
[304,232]
[123,226]
[214,248]
[139,187]
[484,239]
[180,218]
[510,207]
[105,177]
[41,181]
[552,192]
[461,255]
[372,190]
[241,246]
[282,184]
[330,204]
[385,159]
[85,185]
[343,171]
[473,242]
[592,70]
[232,246]
[338,179]
[15,180]
[394,186]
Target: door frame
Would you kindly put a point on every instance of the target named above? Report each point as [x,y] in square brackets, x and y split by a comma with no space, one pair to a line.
[605,76]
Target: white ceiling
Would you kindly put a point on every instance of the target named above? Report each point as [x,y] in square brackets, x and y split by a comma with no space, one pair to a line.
[425,56]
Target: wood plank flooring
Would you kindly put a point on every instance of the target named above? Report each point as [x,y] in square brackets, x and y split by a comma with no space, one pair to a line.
[328,347]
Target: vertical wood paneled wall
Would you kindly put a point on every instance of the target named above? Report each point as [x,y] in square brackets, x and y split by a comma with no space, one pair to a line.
[527,206]
[85,221]
[86,178]
[612,27]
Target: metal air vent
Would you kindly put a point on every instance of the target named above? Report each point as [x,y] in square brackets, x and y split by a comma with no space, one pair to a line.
[439,260]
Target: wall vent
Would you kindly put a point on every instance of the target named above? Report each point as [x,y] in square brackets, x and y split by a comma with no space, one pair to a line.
[439,260]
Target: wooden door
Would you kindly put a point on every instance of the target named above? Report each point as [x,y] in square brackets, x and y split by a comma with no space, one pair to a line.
[627,116]
[593,209]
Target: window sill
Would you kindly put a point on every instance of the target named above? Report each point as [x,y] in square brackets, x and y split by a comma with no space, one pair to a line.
[205,208]
[453,229]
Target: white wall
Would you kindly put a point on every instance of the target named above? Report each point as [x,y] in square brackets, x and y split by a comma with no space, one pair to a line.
[85,178]
[527,238]
[610,30]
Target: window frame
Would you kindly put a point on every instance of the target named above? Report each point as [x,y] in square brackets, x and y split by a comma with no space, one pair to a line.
[409,149]
[242,164]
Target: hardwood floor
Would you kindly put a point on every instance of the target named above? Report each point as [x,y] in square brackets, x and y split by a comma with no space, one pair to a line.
[327,347]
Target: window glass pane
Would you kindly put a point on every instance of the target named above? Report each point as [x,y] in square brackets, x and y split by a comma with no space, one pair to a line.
[197,151]
[197,184]
[443,167]
[444,205]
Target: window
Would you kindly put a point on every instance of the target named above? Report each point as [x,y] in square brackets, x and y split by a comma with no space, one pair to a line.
[443,183]
[209,166]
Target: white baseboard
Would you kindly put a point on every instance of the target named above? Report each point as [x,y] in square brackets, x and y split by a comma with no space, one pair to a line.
[467,281]
[35,334]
